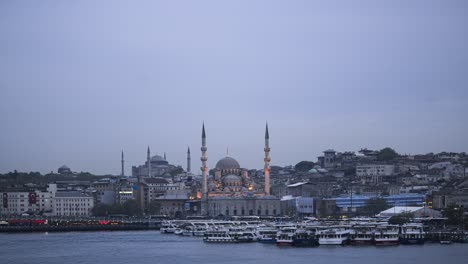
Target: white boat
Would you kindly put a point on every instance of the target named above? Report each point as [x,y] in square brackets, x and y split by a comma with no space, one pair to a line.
[285,236]
[228,236]
[334,236]
[187,231]
[266,234]
[168,228]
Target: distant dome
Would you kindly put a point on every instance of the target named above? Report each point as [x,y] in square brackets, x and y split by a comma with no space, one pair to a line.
[64,170]
[157,158]
[227,163]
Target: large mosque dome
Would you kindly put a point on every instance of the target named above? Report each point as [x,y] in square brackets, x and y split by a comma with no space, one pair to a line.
[227,163]
[158,160]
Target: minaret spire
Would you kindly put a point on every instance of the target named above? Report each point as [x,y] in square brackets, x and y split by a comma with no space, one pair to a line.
[122,172]
[267,159]
[204,170]
[148,159]
[188,160]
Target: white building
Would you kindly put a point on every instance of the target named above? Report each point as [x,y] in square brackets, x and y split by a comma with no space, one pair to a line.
[375,170]
[374,173]
[25,202]
[72,204]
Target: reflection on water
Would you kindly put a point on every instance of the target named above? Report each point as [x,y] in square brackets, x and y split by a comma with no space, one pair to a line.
[152,247]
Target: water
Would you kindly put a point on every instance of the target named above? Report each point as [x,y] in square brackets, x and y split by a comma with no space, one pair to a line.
[143,247]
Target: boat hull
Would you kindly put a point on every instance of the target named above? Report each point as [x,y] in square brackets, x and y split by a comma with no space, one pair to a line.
[267,240]
[410,241]
[387,242]
[284,242]
[338,242]
[311,242]
[362,242]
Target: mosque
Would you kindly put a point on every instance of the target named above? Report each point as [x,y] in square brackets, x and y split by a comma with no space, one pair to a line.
[230,191]
[155,166]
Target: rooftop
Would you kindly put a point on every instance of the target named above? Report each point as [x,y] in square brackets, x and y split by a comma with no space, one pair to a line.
[70,194]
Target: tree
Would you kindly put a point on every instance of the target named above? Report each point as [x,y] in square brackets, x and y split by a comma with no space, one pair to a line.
[154,208]
[374,206]
[101,210]
[400,219]
[131,208]
[304,166]
[387,154]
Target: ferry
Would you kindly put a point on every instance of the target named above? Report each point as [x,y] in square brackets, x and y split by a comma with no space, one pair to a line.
[412,234]
[228,236]
[266,234]
[304,238]
[363,235]
[387,235]
[334,236]
[285,236]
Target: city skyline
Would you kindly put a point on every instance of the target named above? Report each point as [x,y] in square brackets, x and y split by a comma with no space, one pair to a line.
[82,82]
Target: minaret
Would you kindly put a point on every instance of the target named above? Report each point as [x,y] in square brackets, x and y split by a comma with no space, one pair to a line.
[188,160]
[267,161]
[122,173]
[148,159]
[204,170]
[165,156]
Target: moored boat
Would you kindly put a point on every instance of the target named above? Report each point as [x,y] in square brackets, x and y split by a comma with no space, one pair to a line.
[285,236]
[387,235]
[266,235]
[334,236]
[363,235]
[412,234]
[168,228]
[304,238]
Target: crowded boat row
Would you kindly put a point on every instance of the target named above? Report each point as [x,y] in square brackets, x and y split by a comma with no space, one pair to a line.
[302,234]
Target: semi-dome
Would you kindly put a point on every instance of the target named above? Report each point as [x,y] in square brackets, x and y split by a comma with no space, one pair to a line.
[227,163]
[231,180]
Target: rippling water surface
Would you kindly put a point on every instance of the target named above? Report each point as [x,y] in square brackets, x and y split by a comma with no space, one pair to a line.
[153,247]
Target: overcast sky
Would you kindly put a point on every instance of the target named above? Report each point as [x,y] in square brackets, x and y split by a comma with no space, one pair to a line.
[82,80]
